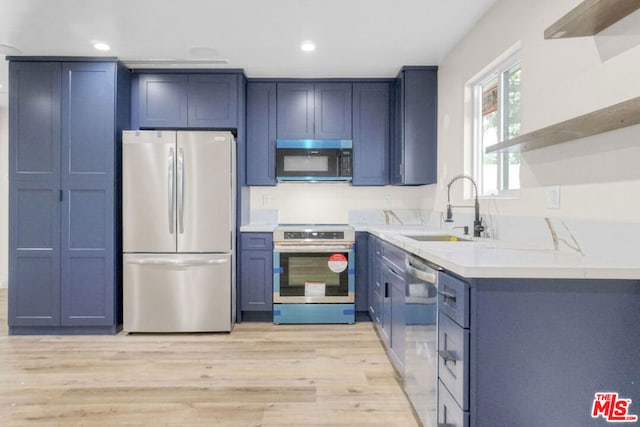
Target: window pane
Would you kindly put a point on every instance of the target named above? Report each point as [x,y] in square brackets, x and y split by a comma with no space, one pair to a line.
[489,161]
[497,118]
[511,168]
[512,103]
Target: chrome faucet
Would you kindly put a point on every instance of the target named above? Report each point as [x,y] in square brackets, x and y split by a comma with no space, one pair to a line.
[478,228]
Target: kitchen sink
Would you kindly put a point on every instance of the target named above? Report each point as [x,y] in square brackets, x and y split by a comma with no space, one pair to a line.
[437,238]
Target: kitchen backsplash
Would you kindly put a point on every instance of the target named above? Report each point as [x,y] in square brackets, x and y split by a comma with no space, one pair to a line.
[609,240]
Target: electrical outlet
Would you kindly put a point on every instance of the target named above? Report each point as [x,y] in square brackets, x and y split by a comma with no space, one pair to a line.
[387,200]
[266,200]
[553,197]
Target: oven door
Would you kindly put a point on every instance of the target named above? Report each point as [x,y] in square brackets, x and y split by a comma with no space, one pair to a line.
[313,274]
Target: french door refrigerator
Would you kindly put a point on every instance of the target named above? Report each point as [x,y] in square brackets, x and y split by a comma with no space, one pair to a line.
[178,190]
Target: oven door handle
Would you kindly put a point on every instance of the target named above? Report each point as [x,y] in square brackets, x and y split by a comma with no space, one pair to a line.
[297,248]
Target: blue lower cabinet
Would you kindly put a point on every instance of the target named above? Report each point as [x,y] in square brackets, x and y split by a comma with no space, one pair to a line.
[535,352]
[255,276]
[362,272]
[313,313]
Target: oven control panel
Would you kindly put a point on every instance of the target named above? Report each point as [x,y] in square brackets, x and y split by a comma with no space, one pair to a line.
[314,235]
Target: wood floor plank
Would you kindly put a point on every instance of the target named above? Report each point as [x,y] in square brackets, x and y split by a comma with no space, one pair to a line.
[260,375]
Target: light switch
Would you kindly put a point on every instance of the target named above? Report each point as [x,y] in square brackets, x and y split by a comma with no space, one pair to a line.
[553,197]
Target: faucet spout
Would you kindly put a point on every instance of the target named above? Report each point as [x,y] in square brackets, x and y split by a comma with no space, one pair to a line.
[478,228]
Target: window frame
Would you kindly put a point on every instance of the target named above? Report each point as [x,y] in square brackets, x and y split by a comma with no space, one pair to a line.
[495,71]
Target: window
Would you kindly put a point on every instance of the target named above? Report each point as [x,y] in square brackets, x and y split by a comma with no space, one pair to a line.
[496,118]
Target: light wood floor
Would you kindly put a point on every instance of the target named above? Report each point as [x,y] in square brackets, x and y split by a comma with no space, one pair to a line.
[259,375]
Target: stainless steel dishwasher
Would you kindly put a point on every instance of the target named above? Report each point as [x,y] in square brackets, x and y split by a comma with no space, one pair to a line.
[421,362]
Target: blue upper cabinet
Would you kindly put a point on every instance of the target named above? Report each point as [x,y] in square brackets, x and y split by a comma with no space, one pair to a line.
[213,100]
[295,111]
[308,110]
[162,100]
[332,111]
[371,133]
[64,215]
[186,100]
[415,145]
[261,133]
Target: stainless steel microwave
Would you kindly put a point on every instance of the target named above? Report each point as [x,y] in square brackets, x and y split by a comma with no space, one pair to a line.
[314,160]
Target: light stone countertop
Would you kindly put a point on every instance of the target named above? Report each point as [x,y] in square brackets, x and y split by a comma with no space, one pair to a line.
[486,258]
[257,228]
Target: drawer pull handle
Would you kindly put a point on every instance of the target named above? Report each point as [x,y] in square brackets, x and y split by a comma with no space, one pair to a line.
[447,357]
[448,296]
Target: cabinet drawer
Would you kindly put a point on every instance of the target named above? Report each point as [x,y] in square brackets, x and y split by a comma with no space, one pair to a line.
[453,359]
[256,241]
[453,299]
[449,413]
[394,255]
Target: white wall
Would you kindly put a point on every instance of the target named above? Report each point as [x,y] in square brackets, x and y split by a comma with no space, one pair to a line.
[600,175]
[4,190]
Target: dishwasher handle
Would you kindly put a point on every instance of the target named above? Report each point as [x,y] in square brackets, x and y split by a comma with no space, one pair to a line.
[420,270]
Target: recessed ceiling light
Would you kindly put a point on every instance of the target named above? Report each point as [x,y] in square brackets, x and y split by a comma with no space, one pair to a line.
[308,46]
[101,46]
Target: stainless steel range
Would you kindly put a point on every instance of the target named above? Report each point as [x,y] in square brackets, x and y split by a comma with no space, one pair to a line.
[313,274]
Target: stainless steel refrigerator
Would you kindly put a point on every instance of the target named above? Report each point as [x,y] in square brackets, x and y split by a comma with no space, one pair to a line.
[178,191]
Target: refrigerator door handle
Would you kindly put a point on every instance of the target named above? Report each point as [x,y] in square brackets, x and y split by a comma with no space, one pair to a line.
[172,189]
[181,191]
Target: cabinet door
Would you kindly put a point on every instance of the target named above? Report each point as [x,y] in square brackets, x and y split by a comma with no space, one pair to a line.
[376,282]
[414,154]
[256,272]
[332,111]
[162,100]
[362,303]
[87,179]
[385,307]
[295,111]
[256,281]
[34,194]
[261,134]
[398,291]
[213,101]
[371,133]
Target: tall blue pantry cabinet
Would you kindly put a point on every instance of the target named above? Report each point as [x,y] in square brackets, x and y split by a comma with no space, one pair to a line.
[65,121]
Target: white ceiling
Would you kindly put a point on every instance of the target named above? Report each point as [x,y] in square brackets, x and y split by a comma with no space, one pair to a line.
[354,38]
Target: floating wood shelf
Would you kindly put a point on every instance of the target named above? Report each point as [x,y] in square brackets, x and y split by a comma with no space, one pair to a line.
[590,17]
[617,116]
